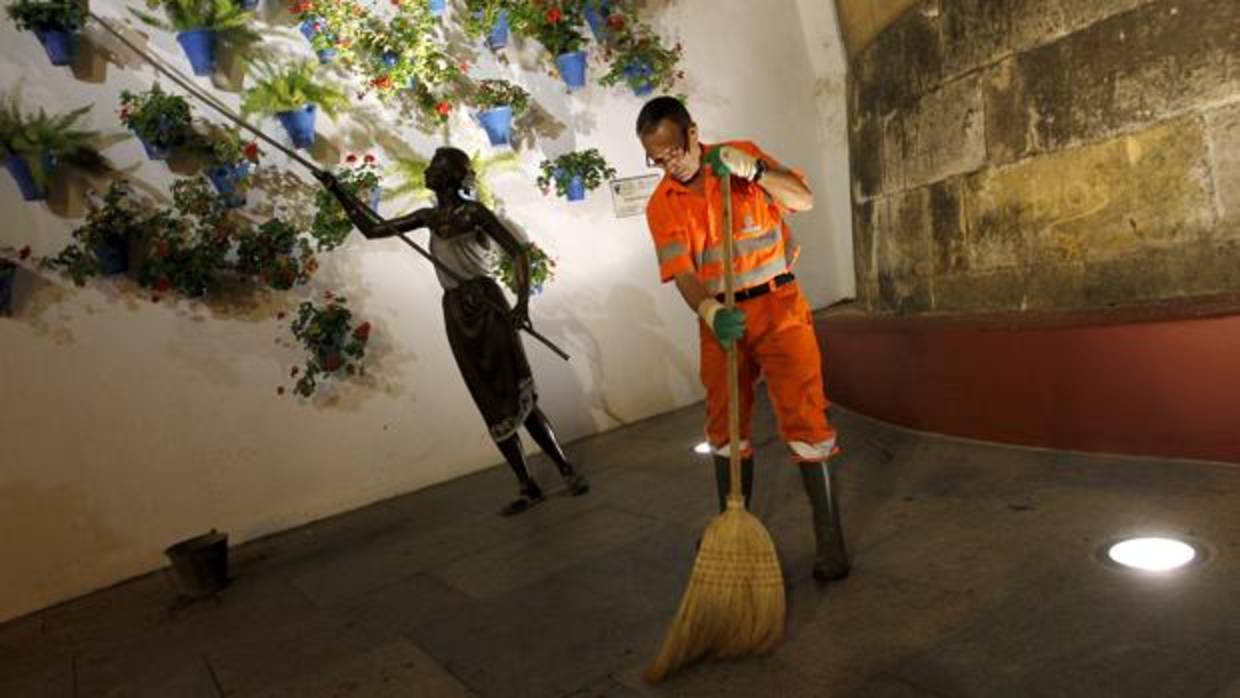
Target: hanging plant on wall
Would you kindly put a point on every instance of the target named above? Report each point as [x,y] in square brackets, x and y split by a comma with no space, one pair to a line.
[54,22]
[293,95]
[360,177]
[113,227]
[557,26]
[498,102]
[542,269]
[639,59]
[32,145]
[332,27]
[336,344]
[162,121]
[574,173]
[201,26]
[488,19]
[276,254]
[228,158]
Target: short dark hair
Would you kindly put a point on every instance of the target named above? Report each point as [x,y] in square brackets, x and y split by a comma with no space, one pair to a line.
[660,108]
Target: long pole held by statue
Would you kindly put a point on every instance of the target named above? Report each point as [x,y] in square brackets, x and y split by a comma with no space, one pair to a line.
[187,84]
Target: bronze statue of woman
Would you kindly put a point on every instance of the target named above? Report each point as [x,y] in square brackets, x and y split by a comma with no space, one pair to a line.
[482,327]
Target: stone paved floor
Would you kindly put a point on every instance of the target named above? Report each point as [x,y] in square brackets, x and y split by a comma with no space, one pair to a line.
[974,575]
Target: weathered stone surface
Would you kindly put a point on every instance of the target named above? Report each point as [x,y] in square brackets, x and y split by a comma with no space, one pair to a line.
[1130,70]
[1143,190]
[975,33]
[1224,131]
[945,210]
[864,222]
[1036,22]
[903,252]
[994,290]
[944,135]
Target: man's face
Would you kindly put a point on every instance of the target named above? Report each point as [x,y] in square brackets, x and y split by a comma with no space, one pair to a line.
[674,151]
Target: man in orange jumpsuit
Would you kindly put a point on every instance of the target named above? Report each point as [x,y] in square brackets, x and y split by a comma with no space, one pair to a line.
[772,321]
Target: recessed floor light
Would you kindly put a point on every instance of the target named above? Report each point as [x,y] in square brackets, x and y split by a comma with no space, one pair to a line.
[702,448]
[1152,554]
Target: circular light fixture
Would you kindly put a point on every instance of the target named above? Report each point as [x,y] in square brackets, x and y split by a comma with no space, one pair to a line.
[702,448]
[1152,554]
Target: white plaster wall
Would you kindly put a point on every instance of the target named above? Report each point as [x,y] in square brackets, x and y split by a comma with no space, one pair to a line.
[128,425]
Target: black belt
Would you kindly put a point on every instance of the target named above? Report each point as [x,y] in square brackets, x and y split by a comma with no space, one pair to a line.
[755,291]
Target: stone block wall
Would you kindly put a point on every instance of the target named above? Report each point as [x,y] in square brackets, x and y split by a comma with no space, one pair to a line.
[1047,154]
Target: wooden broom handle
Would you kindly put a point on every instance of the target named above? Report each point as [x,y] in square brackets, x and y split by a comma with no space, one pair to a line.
[735,493]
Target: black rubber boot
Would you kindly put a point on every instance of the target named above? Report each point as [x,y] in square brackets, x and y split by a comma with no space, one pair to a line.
[530,493]
[723,480]
[539,427]
[831,561]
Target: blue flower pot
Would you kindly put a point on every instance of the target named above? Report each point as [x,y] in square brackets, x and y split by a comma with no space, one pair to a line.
[249,5]
[497,123]
[326,55]
[20,169]
[199,47]
[58,43]
[436,8]
[7,274]
[388,59]
[113,256]
[307,28]
[498,36]
[576,189]
[155,151]
[300,125]
[226,178]
[572,68]
[638,75]
[596,17]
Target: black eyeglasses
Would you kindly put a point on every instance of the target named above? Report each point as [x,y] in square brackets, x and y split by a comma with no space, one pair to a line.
[674,154]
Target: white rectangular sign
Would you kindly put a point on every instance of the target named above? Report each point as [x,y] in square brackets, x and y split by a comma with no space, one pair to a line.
[630,194]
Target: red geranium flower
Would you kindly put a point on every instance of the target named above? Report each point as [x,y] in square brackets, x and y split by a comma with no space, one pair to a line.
[351,158]
[444,108]
[252,152]
[616,21]
[333,362]
[554,15]
[362,331]
[369,158]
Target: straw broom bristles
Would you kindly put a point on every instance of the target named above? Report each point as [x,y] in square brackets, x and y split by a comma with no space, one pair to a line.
[734,604]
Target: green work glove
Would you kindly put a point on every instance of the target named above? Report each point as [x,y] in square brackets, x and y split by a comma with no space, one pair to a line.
[714,160]
[727,325]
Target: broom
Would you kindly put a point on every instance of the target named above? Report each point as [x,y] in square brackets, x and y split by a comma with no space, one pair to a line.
[734,604]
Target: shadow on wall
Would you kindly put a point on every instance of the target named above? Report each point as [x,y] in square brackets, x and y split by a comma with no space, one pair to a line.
[582,328]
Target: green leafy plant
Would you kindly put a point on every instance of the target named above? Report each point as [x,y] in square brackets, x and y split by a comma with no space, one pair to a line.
[334,342]
[57,138]
[226,17]
[290,89]
[556,24]
[335,25]
[481,15]
[490,94]
[360,177]
[46,15]
[157,117]
[189,244]
[221,147]
[542,269]
[276,254]
[120,219]
[588,164]
[639,59]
